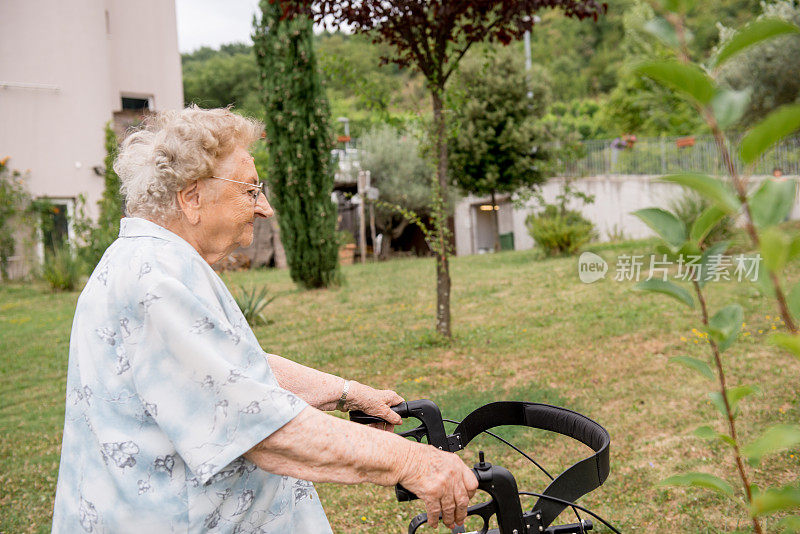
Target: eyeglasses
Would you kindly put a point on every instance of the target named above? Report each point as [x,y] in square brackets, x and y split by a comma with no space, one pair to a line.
[258,189]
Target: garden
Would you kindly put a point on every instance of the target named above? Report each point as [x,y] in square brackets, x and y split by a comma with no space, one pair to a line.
[688,359]
[526,328]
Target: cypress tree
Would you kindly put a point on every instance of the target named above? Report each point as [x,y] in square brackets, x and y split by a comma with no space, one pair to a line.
[300,173]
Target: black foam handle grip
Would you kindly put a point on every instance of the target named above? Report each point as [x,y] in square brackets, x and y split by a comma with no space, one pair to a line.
[403,494]
[357,416]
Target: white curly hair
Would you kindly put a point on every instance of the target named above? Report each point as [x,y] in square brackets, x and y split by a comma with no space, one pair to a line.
[171,150]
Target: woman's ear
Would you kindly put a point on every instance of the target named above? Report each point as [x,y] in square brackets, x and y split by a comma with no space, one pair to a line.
[189,202]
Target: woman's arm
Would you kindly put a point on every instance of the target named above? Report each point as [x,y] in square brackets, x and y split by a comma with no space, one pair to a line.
[320,390]
[323,390]
[318,447]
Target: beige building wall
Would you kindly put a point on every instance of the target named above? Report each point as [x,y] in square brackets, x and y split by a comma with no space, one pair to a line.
[145,61]
[616,196]
[64,67]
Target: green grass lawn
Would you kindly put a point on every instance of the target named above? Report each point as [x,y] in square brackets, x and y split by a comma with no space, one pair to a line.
[524,329]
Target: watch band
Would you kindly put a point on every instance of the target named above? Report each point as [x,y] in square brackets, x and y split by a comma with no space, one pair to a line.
[343,398]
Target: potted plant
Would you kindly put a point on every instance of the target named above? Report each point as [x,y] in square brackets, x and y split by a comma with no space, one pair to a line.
[347,247]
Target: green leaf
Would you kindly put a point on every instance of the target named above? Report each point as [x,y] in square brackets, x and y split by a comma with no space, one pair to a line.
[713,189]
[763,281]
[705,223]
[734,394]
[663,31]
[774,249]
[689,80]
[775,438]
[693,363]
[716,400]
[771,203]
[753,33]
[793,301]
[724,326]
[715,251]
[666,225]
[789,525]
[737,393]
[700,480]
[689,249]
[774,500]
[667,288]
[678,6]
[794,248]
[705,432]
[777,125]
[664,249]
[789,342]
[729,106]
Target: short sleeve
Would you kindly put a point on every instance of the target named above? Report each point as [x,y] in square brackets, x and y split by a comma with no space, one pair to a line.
[209,389]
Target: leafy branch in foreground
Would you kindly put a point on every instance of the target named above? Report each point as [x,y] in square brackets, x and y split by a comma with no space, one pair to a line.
[762,208]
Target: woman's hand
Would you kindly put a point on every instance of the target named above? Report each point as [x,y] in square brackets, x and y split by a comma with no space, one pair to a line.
[442,481]
[377,402]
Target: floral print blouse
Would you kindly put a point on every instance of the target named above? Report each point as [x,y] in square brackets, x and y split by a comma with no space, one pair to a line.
[167,388]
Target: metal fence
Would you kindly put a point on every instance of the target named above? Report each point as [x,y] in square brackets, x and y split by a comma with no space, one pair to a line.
[667,155]
[648,156]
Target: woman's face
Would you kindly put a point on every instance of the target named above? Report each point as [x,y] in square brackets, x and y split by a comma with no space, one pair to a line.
[227,221]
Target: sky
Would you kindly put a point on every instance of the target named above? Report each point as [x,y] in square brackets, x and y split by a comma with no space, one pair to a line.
[213,22]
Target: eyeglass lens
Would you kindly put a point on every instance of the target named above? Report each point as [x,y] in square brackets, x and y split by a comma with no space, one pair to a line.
[260,188]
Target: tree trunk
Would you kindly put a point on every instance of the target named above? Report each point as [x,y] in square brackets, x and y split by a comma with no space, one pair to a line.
[386,245]
[398,230]
[442,266]
[496,217]
[390,234]
[280,253]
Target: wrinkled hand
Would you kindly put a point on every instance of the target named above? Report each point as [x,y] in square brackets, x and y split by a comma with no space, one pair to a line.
[377,402]
[443,482]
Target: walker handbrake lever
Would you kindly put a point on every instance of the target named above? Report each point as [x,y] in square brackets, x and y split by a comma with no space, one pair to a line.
[500,484]
[425,410]
[432,428]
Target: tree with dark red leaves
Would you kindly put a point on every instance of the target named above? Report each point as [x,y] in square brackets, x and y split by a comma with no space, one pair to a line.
[432,36]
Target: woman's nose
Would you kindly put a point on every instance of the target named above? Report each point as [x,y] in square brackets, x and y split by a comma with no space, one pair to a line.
[263,209]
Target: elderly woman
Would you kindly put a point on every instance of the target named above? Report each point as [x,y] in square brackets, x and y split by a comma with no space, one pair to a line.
[176,419]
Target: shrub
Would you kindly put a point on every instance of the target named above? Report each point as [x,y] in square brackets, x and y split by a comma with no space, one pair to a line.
[560,232]
[14,201]
[62,269]
[345,237]
[93,238]
[689,206]
[252,303]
